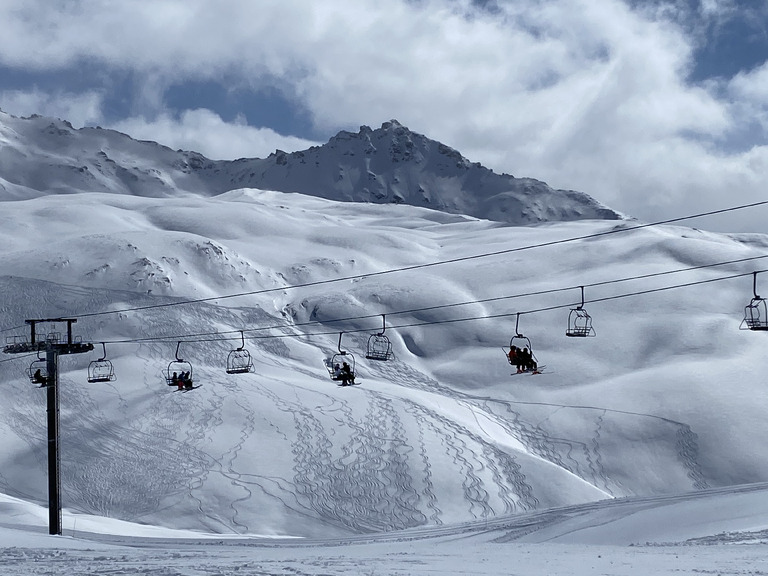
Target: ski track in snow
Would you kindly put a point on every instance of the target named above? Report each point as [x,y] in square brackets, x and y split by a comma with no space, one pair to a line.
[360,482]
[231,471]
[596,449]
[560,451]
[688,448]
[506,476]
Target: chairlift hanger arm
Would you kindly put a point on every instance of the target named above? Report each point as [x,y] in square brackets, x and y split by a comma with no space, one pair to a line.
[580,306]
[754,286]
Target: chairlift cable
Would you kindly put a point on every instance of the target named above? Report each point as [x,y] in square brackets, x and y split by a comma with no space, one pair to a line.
[11,329]
[517,314]
[199,337]
[456,304]
[191,338]
[17,357]
[542,292]
[614,230]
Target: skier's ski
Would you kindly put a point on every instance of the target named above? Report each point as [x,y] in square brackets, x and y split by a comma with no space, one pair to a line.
[188,389]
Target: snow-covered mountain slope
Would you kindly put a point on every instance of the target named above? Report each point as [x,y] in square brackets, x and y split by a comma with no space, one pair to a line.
[39,156]
[667,398]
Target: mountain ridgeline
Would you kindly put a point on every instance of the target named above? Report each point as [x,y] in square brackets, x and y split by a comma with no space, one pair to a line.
[389,165]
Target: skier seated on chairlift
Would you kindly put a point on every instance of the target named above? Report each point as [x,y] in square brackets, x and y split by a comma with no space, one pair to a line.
[527,363]
[337,372]
[514,357]
[346,375]
[181,380]
[38,378]
[185,380]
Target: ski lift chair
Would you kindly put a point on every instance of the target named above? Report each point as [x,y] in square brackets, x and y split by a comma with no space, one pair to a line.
[579,321]
[379,346]
[177,367]
[756,312]
[38,372]
[755,315]
[239,360]
[520,342]
[101,370]
[338,359]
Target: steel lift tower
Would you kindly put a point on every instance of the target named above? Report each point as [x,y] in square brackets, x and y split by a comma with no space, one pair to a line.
[53,346]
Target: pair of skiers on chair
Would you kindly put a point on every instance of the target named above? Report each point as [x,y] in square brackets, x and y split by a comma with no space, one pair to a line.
[182,380]
[523,359]
[343,373]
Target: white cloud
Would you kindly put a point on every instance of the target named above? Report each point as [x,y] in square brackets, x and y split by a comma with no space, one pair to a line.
[751,88]
[205,132]
[79,109]
[585,94]
[200,130]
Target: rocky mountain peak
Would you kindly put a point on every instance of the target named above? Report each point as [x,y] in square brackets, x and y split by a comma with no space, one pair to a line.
[390,164]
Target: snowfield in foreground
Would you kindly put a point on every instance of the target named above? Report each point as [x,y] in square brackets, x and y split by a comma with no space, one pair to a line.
[713,532]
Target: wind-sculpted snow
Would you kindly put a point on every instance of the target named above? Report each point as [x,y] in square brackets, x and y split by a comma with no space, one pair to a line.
[442,434]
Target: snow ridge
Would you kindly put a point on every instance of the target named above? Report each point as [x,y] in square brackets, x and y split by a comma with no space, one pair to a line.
[389,165]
